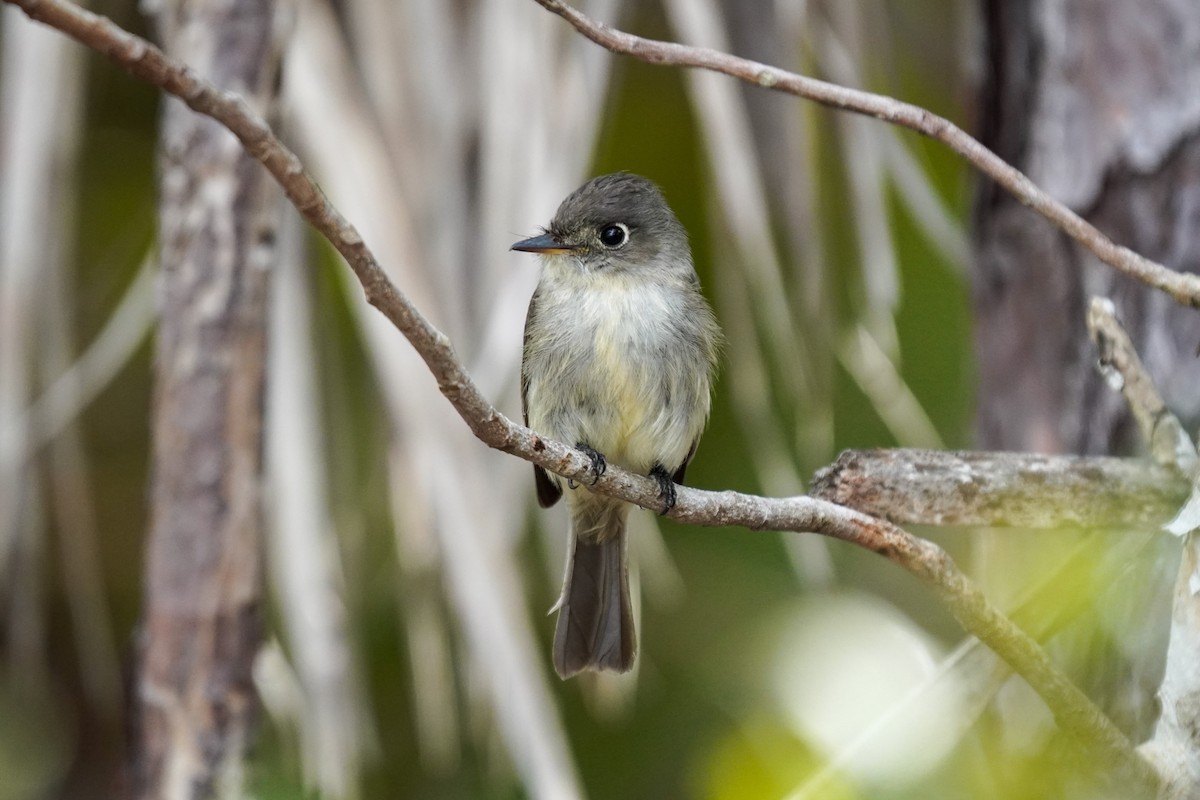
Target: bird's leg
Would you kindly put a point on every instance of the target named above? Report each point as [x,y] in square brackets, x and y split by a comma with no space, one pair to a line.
[599,465]
[666,487]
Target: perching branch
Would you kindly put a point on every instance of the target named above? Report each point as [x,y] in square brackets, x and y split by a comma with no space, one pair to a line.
[1183,287]
[924,559]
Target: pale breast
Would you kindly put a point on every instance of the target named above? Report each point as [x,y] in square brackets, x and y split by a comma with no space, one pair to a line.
[617,368]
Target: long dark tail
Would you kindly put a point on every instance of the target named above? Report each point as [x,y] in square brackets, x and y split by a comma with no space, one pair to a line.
[595,618]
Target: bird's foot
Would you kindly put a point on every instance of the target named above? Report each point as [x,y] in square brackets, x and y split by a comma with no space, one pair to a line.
[666,487]
[599,465]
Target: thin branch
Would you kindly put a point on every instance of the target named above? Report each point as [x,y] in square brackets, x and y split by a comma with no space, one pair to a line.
[925,560]
[1183,287]
[1021,490]
[1121,366]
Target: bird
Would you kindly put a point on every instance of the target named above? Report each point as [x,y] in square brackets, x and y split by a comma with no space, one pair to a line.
[619,359]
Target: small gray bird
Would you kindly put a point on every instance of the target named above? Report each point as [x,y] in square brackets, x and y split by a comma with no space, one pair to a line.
[619,359]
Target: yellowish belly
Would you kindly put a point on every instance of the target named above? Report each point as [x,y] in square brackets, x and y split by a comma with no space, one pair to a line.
[632,394]
[628,394]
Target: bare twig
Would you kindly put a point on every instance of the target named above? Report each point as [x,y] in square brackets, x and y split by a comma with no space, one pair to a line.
[1022,490]
[1120,364]
[1183,287]
[925,560]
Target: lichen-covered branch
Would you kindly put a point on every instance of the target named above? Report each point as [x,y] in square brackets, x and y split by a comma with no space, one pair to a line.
[989,489]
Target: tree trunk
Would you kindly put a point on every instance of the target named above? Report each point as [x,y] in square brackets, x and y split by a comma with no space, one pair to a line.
[194,700]
[1096,101]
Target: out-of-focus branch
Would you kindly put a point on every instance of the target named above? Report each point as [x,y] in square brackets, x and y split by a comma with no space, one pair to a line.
[1022,490]
[1183,287]
[925,560]
[1175,747]
[1120,364]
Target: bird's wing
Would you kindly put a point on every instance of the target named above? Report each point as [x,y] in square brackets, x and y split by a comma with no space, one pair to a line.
[548,491]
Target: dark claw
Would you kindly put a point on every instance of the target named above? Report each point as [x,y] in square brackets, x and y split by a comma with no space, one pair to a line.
[599,465]
[666,487]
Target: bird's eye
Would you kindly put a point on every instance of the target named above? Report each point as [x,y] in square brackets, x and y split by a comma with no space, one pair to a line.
[614,235]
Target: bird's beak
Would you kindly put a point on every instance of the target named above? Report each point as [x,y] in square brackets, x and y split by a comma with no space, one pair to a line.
[545,244]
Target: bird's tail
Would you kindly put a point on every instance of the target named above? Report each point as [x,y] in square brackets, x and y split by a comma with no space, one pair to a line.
[595,618]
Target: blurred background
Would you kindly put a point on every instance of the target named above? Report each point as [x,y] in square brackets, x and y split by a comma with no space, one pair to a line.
[409,571]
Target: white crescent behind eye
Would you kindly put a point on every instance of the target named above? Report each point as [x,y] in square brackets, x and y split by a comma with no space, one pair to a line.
[614,235]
